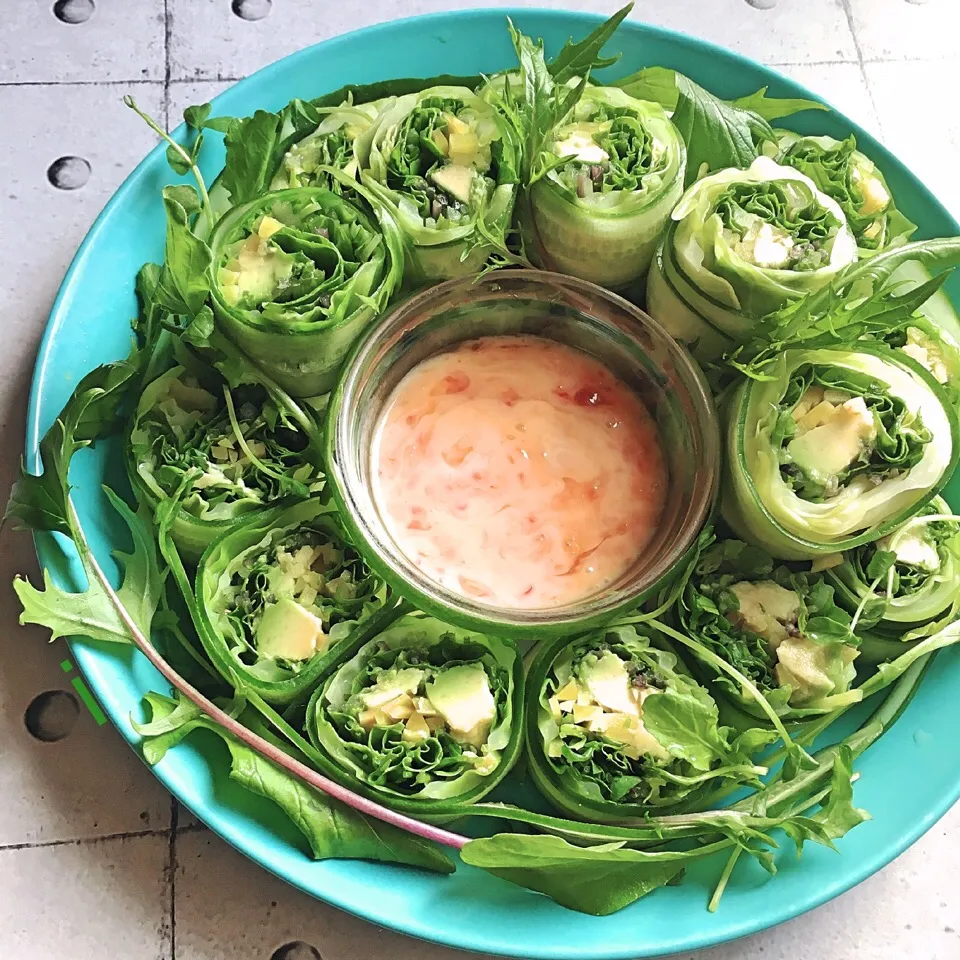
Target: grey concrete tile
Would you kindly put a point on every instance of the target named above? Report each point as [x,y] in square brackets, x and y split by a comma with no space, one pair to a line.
[262,914]
[36,46]
[89,783]
[906,29]
[918,127]
[187,93]
[841,84]
[908,911]
[207,40]
[104,899]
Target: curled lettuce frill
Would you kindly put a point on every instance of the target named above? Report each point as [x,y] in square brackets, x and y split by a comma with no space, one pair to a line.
[332,145]
[298,274]
[424,716]
[833,448]
[618,729]
[851,178]
[279,594]
[741,245]
[446,166]
[615,172]
[781,629]
[907,584]
[226,453]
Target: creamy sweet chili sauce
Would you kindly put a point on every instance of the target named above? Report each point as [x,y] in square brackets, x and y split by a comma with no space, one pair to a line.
[518,472]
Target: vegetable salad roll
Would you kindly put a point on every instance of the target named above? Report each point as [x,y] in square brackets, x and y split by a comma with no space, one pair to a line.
[423,716]
[277,596]
[741,245]
[782,630]
[445,165]
[834,448]
[236,450]
[615,174]
[617,729]
[299,274]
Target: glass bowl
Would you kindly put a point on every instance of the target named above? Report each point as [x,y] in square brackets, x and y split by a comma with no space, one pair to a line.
[565,310]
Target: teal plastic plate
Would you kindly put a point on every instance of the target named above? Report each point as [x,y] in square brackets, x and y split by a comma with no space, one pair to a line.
[908,780]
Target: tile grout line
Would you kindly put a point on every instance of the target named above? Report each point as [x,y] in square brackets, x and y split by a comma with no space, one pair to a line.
[167,29]
[848,12]
[171,872]
[80,841]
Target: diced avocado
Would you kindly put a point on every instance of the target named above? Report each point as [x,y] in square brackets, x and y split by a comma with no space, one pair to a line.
[464,147]
[268,227]
[827,449]
[827,562]
[609,684]
[629,731]
[191,398]
[415,728]
[578,141]
[461,695]
[391,685]
[805,666]
[260,269]
[286,630]
[766,609]
[455,179]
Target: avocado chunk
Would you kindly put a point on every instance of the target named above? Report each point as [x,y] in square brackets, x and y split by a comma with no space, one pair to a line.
[608,682]
[766,609]
[455,180]
[393,684]
[840,435]
[461,695]
[805,666]
[258,271]
[288,631]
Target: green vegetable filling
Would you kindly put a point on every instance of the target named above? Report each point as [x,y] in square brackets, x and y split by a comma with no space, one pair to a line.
[781,629]
[836,425]
[420,714]
[302,259]
[235,463]
[845,174]
[778,225]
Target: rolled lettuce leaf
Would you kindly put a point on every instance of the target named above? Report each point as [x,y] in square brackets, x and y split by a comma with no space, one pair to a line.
[741,245]
[298,274]
[617,729]
[423,716]
[225,452]
[834,448]
[445,165]
[907,580]
[277,597]
[331,145]
[851,178]
[615,172]
[782,630]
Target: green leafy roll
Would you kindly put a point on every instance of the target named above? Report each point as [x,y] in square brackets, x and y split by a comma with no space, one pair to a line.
[299,274]
[851,178]
[615,172]
[226,452]
[833,448]
[423,716]
[741,245]
[905,580]
[277,597]
[445,165]
[617,729]
[782,630]
[307,162]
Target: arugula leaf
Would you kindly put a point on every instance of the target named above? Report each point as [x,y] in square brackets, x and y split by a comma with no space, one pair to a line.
[40,502]
[188,258]
[92,613]
[332,830]
[717,134]
[659,84]
[597,880]
[578,59]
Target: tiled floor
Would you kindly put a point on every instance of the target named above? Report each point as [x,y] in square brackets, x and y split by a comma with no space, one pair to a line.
[89,863]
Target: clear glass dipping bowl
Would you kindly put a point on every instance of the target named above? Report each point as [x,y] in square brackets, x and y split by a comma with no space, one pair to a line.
[569,311]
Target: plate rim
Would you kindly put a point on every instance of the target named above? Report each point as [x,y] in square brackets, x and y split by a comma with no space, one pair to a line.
[50,548]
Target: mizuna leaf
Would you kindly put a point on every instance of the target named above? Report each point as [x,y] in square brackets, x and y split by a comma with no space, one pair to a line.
[578,59]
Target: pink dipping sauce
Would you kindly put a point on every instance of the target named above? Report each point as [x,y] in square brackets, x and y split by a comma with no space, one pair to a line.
[518,472]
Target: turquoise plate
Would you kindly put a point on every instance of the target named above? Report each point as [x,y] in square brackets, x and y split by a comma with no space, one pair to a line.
[90,325]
